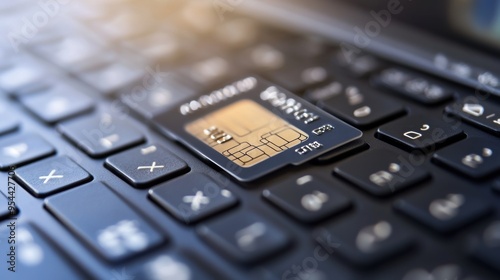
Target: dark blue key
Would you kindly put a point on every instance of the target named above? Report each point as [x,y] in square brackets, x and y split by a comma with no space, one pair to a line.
[112,77]
[101,135]
[170,266]
[146,165]
[149,101]
[414,86]
[57,103]
[105,222]
[20,149]
[485,245]
[23,74]
[387,172]
[193,197]
[244,237]
[418,132]
[474,157]
[364,241]
[310,201]
[35,257]
[483,114]
[51,175]
[360,106]
[444,212]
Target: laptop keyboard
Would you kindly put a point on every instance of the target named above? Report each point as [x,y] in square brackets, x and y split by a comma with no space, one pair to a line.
[115,161]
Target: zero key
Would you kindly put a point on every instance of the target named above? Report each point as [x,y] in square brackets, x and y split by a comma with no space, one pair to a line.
[105,222]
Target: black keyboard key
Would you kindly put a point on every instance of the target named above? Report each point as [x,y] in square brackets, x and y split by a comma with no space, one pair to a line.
[105,222]
[192,197]
[417,132]
[58,103]
[244,237]
[51,175]
[149,101]
[101,135]
[34,256]
[387,172]
[209,73]
[307,199]
[485,246]
[146,165]
[20,76]
[496,186]
[364,241]
[482,114]
[444,212]
[357,64]
[414,86]
[361,107]
[170,267]
[475,157]
[20,149]
[300,74]
[445,271]
[112,77]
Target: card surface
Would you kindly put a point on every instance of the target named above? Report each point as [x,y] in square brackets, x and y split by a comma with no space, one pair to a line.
[252,127]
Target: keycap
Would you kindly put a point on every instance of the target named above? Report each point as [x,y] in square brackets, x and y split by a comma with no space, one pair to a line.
[113,76]
[299,74]
[19,76]
[171,266]
[104,222]
[482,114]
[9,123]
[364,241]
[146,165]
[209,74]
[307,198]
[244,237]
[387,173]
[58,103]
[445,270]
[418,132]
[193,197]
[33,256]
[24,148]
[357,64]
[474,157]
[485,245]
[100,135]
[361,107]
[69,51]
[444,211]
[414,86]
[151,98]
[159,46]
[51,175]
[496,186]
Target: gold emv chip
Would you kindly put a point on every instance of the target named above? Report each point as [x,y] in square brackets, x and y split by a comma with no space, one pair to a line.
[246,133]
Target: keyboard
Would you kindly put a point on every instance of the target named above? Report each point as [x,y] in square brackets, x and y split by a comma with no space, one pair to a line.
[182,140]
